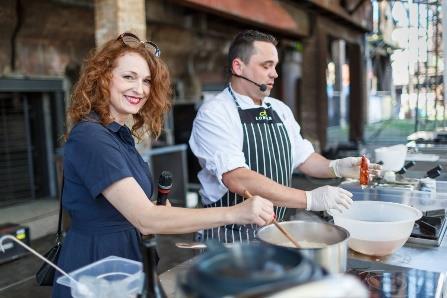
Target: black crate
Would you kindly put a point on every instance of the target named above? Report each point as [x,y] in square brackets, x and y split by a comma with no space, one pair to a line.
[12,249]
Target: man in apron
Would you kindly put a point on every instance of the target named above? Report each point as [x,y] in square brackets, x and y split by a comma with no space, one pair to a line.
[247,141]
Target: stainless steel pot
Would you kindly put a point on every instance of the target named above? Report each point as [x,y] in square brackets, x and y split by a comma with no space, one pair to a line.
[333,256]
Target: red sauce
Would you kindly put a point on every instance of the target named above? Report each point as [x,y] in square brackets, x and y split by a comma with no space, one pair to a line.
[364,175]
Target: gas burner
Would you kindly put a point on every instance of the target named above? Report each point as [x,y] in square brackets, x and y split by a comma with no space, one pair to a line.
[430,229]
[402,186]
[391,283]
[398,180]
[419,184]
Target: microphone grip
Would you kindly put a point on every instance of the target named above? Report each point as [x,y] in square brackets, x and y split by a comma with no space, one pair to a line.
[162,197]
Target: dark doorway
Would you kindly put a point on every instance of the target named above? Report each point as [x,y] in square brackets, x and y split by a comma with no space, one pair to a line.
[31,126]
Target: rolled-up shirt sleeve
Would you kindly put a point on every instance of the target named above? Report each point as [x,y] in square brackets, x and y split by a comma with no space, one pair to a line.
[216,140]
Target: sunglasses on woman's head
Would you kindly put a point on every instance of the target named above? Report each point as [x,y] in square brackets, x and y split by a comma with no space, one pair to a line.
[133,41]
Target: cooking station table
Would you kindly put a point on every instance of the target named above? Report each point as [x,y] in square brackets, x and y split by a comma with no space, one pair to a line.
[412,256]
[409,256]
[169,278]
[426,263]
[426,157]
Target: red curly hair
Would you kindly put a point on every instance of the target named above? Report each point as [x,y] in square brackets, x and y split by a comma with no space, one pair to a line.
[91,92]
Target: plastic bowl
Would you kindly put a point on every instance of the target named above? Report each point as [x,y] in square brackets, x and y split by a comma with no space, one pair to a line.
[393,157]
[109,277]
[377,228]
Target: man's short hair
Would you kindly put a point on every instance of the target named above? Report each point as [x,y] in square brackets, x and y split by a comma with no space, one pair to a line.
[242,45]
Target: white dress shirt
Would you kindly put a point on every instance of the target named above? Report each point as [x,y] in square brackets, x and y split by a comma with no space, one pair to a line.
[217,140]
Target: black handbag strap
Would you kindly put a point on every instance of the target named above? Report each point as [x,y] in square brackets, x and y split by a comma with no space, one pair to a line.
[59,223]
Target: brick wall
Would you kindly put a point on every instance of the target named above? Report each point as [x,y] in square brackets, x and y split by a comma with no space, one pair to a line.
[52,35]
[7,20]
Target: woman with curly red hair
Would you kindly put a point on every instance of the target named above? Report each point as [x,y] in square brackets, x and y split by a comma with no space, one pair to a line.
[107,185]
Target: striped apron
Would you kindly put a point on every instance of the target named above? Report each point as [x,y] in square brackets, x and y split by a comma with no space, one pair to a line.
[267,151]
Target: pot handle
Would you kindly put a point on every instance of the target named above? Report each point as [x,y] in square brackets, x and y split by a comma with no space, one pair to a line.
[435,172]
[406,167]
[191,245]
[211,245]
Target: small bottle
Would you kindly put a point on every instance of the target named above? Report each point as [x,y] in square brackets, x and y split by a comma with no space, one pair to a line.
[152,286]
[364,174]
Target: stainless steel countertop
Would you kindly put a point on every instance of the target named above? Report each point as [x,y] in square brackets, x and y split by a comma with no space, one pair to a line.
[421,200]
[410,255]
[169,278]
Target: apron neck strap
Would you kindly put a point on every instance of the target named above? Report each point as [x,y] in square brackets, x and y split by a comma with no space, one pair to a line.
[233,96]
[230,90]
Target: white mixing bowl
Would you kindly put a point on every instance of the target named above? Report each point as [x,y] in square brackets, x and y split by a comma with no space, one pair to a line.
[393,157]
[377,228]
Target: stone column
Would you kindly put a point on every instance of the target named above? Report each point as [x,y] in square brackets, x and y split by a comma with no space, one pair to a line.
[291,74]
[358,92]
[314,103]
[338,50]
[113,17]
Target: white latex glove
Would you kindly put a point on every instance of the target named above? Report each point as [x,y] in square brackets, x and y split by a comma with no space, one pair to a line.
[349,167]
[328,197]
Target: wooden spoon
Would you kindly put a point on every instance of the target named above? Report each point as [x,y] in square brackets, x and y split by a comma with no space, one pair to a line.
[284,231]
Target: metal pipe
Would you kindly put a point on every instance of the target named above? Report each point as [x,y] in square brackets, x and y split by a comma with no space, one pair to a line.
[15,32]
[29,146]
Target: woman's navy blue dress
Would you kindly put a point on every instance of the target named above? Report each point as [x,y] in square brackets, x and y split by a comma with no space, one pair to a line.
[95,156]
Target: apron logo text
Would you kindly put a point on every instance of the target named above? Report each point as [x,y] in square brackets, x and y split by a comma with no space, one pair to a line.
[263,116]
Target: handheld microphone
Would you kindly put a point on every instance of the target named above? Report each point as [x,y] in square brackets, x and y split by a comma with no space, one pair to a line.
[164,187]
[262,87]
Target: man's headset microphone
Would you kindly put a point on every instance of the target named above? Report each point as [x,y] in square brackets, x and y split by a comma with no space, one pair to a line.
[262,87]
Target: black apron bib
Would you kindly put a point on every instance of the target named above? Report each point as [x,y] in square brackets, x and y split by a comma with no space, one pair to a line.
[267,151]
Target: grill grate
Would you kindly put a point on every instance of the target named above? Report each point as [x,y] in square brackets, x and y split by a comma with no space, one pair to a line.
[14,163]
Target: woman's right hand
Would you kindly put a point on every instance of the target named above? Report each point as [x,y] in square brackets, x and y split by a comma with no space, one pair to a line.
[255,210]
